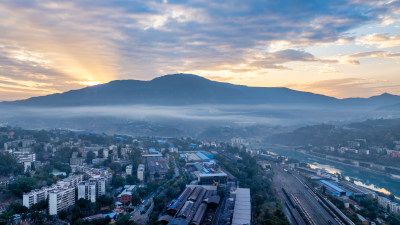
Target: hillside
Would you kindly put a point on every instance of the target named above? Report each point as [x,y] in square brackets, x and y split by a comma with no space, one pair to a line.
[178,89]
[188,89]
[380,132]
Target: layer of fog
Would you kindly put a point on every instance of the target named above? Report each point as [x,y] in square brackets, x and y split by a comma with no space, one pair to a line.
[235,114]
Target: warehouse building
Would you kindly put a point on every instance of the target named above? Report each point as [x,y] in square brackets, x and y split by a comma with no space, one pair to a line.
[195,205]
[242,209]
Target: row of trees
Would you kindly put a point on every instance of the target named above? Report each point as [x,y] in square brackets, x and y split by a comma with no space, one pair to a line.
[266,208]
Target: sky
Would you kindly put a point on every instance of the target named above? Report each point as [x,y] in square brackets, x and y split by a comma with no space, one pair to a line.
[341,48]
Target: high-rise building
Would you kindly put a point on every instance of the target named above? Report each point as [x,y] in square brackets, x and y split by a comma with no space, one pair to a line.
[100,185]
[129,170]
[87,190]
[36,196]
[140,172]
[61,199]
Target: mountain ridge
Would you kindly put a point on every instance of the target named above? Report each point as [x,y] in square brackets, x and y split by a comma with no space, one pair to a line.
[189,89]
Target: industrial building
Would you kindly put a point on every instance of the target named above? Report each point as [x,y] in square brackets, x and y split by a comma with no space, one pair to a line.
[242,209]
[212,178]
[199,156]
[195,205]
[333,189]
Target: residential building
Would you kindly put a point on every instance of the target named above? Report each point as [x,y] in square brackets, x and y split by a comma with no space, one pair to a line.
[61,199]
[140,172]
[126,195]
[100,183]
[129,170]
[36,196]
[158,167]
[87,190]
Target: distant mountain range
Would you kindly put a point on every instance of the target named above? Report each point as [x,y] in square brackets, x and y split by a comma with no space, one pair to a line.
[188,89]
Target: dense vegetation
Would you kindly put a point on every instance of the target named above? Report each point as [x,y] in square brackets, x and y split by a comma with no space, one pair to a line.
[381,132]
[265,207]
[9,165]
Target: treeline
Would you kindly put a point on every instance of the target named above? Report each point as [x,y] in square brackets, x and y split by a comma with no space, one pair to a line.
[265,207]
[381,132]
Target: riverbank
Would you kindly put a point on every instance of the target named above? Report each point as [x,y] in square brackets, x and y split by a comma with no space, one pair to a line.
[372,180]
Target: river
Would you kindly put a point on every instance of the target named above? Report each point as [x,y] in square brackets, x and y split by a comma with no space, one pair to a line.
[372,181]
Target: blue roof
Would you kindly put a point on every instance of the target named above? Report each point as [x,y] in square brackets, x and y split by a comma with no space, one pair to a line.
[332,186]
[118,203]
[161,142]
[153,150]
[210,162]
[111,215]
[201,155]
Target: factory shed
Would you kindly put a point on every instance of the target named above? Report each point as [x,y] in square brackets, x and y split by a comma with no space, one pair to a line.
[242,210]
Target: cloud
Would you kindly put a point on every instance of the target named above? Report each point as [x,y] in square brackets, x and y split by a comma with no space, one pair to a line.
[67,44]
[275,60]
[375,54]
[380,40]
[349,87]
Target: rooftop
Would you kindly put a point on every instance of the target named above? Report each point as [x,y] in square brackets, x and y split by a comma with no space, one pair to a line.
[242,210]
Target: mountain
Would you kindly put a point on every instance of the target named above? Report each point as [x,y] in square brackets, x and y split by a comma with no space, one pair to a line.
[188,89]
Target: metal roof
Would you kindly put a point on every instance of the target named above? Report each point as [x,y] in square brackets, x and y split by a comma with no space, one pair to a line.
[242,210]
[336,188]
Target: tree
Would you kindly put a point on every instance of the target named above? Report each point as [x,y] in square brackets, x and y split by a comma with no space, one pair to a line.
[105,200]
[116,167]
[136,199]
[391,197]
[136,157]
[17,208]
[89,157]
[9,165]
[119,152]
[64,154]
[22,185]
[131,180]
[118,181]
[124,220]
[100,153]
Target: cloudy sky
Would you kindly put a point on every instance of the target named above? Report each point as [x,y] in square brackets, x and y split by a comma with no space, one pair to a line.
[338,48]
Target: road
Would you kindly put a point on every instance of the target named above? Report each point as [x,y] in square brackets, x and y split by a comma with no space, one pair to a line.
[307,201]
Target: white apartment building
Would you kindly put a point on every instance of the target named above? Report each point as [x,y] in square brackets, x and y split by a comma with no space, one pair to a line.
[100,185]
[386,203]
[128,170]
[71,181]
[87,190]
[140,172]
[61,199]
[36,196]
